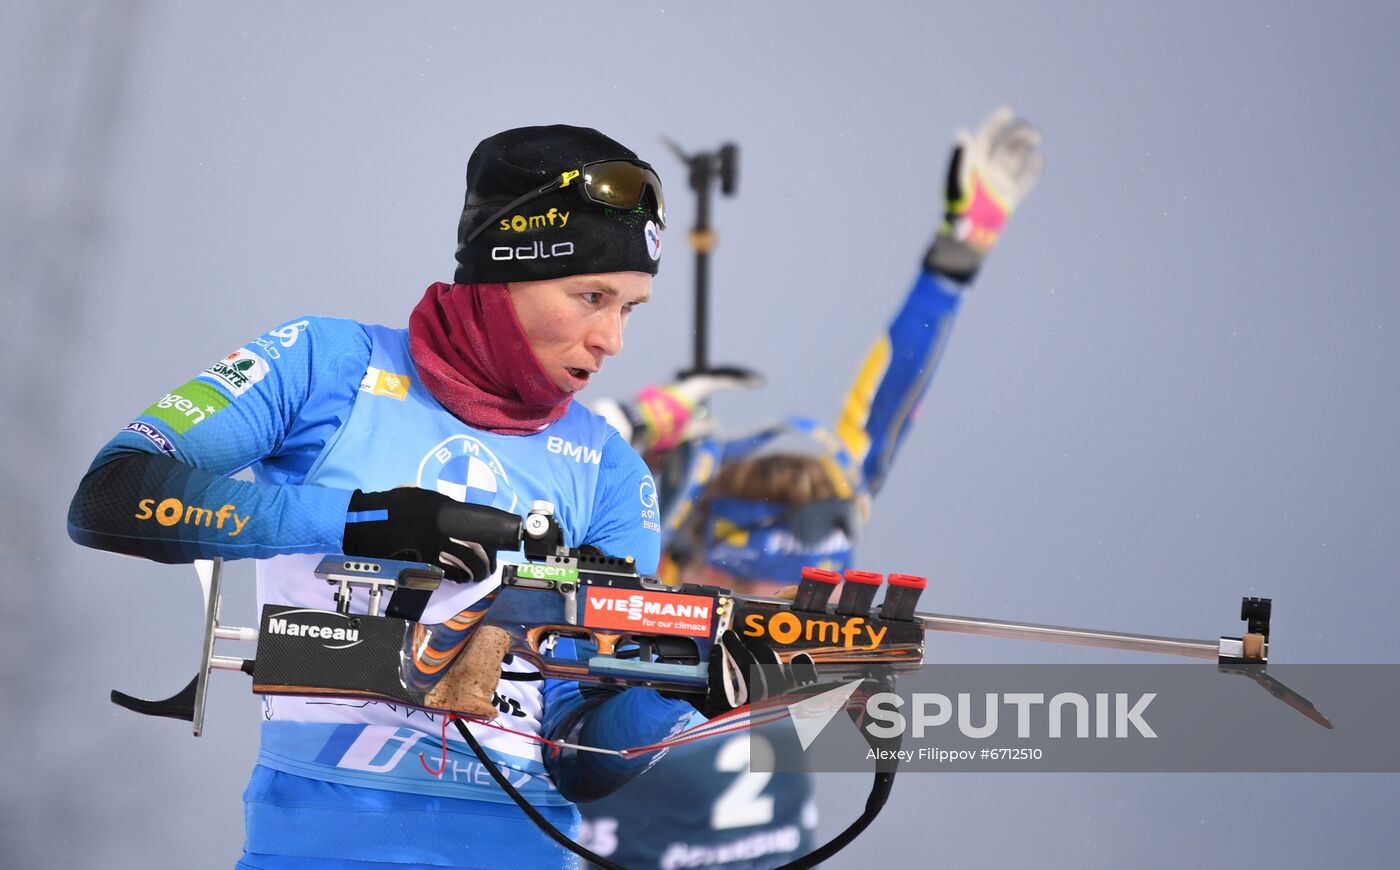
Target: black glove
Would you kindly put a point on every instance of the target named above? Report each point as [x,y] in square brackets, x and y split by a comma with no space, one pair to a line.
[419,525]
[744,670]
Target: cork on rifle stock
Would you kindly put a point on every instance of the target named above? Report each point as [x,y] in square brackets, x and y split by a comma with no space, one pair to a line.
[470,684]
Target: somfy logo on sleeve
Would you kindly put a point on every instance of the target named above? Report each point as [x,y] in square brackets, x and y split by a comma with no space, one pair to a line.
[464,468]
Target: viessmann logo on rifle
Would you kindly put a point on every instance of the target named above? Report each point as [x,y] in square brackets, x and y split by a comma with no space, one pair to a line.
[343,636]
[640,610]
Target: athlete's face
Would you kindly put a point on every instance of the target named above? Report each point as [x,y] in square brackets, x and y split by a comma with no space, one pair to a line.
[574,323]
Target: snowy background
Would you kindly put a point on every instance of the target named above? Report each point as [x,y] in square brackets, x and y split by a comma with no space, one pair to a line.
[1174,384]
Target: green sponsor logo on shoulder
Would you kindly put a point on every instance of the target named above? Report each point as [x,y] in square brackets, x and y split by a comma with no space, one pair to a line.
[187,406]
[545,572]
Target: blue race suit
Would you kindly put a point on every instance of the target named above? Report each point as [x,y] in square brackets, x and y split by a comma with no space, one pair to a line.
[317,408]
[701,806]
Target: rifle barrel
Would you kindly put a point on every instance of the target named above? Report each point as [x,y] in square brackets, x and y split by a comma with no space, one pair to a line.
[1175,646]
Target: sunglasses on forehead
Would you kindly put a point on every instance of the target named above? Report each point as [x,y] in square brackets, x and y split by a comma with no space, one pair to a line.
[619,184]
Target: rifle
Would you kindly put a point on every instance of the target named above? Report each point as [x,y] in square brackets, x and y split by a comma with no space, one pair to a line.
[627,630]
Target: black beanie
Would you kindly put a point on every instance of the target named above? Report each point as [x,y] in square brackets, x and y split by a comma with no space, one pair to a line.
[557,234]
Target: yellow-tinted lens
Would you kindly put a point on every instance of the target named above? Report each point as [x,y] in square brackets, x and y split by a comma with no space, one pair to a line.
[621,185]
[613,184]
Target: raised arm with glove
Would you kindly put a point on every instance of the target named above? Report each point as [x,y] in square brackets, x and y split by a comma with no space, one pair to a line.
[989,174]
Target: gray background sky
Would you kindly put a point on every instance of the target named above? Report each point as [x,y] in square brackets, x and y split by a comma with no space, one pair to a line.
[1173,385]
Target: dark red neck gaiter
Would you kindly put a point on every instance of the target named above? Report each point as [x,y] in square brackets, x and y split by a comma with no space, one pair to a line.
[474,358]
